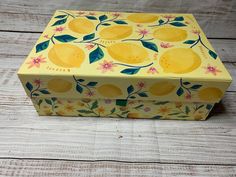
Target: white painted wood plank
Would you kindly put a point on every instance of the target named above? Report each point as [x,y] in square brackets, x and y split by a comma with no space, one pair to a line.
[41,168]
[216,17]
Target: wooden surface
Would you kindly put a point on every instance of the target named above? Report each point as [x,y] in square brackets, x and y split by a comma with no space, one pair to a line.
[56,146]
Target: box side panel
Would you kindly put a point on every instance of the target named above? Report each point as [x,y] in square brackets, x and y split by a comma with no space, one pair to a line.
[133,109]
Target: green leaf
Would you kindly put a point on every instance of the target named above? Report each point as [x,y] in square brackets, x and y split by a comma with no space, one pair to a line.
[48,101]
[60,22]
[157,117]
[92,84]
[113,110]
[177,24]
[186,83]
[142,94]
[180,91]
[79,88]
[54,99]
[81,80]
[189,42]
[187,110]
[130,71]
[150,45]
[196,86]
[106,24]
[130,89]
[119,22]
[209,106]
[60,16]
[213,54]
[42,46]
[44,91]
[40,102]
[29,86]
[91,17]
[161,21]
[96,55]
[183,116]
[175,113]
[139,106]
[85,111]
[94,105]
[102,18]
[161,102]
[132,97]
[125,112]
[65,38]
[179,19]
[35,94]
[89,36]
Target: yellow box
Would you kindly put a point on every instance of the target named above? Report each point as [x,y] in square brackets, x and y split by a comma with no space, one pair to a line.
[129,65]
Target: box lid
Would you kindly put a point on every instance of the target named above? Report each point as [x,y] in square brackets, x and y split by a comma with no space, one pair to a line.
[114,55]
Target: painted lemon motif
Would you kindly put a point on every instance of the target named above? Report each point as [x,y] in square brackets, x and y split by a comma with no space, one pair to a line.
[133,115]
[161,88]
[210,94]
[127,52]
[142,18]
[170,34]
[81,26]
[180,60]
[109,90]
[66,55]
[115,32]
[59,85]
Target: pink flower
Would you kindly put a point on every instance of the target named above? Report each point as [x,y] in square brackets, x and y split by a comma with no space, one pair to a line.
[59,29]
[106,66]
[89,93]
[195,31]
[169,16]
[116,14]
[143,32]
[166,45]
[139,25]
[46,36]
[152,70]
[92,13]
[211,69]
[147,109]
[140,85]
[36,61]
[188,96]
[89,46]
[37,82]
[80,12]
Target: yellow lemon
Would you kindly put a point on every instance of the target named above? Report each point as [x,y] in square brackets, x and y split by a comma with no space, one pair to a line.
[170,34]
[109,90]
[133,115]
[210,94]
[66,55]
[142,17]
[127,52]
[161,88]
[59,85]
[81,26]
[116,32]
[180,60]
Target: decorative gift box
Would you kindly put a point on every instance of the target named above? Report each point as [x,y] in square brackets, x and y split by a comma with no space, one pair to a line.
[129,65]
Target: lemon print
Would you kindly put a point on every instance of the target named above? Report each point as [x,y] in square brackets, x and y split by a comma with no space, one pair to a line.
[109,90]
[127,52]
[180,60]
[210,94]
[161,88]
[133,115]
[59,85]
[170,34]
[142,18]
[116,32]
[66,55]
[81,26]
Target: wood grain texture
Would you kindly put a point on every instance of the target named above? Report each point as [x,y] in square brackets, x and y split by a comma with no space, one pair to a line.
[216,17]
[39,168]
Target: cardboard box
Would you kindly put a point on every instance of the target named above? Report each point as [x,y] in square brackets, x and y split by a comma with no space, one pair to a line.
[115,64]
